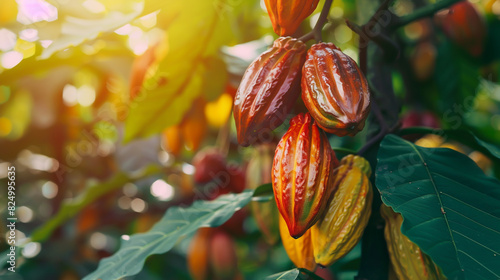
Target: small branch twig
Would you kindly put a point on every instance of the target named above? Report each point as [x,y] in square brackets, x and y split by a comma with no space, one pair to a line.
[426,11]
[322,20]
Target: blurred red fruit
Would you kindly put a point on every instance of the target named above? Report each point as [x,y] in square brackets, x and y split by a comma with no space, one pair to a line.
[416,118]
[223,257]
[208,163]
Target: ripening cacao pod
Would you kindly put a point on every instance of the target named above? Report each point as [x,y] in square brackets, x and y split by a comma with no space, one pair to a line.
[237,180]
[268,90]
[408,261]
[265,213]
[198,257]
[302,165]
[223,260]
[334,90]
[342,224]
[465,26]
[171,140]
[423,60]
[299,250]
[481,160]
[286,16]
[209,163]
[194,126]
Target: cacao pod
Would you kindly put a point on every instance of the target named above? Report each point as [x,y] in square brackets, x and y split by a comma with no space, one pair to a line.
[208,163]
[299,250]
[237,180]
[302,165]
[172,140]
[408,261]
[342,224]
[465,26]
[265,213]
[194,126]
[423,60]
[286,16]
[481,160]
[268,90]
[198,256]
[223,258]
[334,90]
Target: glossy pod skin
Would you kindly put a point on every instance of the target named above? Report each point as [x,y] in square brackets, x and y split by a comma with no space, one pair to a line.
[302,167]
[268,90]
[334,90]
[300,250]
[341,226]
[408,261]
[286,16]
[464,25]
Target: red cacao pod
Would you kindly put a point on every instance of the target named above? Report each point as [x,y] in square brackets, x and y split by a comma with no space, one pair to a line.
[286,16]
[268,90]
[334,90]
[302,165]
[237,179]
[208,164]
[223,260]
[464,25]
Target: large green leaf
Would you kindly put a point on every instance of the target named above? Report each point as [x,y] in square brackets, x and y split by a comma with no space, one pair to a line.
[175,224]
[194,35]
[457,78]
[294,274]
[70,30]
[450,207]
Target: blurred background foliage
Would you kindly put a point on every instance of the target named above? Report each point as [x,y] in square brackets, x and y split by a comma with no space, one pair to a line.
[109,100]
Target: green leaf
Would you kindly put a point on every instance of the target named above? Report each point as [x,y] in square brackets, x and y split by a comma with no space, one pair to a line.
[72,31]
[450,207]
[194,35]
[493,149]
[175,224]
[457,78]
[294,274]
[263,193]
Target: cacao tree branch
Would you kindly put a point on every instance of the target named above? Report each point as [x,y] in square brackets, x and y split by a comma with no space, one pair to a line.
[322,20]
[426,11]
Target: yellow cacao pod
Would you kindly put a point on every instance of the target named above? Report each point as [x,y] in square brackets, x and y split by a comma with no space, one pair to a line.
[408,261]
[300,250]
[341,226]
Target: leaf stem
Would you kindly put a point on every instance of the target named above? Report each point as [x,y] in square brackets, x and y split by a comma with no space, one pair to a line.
[322,20]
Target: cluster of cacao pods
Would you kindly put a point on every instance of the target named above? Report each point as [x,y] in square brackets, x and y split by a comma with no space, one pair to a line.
[212,255]
[323,206]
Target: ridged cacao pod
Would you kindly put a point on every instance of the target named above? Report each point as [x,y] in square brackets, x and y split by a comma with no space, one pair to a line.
[341,226]
[300,250]
[265,213]
[286,16]
[464,25]
[334,90]
[223,259]
[408,261]
[268,90]
[302,167]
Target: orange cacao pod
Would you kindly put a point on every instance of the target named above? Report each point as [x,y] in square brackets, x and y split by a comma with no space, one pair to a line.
[265,213]
[286,16]
[194,126]
[342,224]
[198,254]
[301,176]
[407,260]
[300,250]
[465,26]
[334,90]
[268,90]
[172,139]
